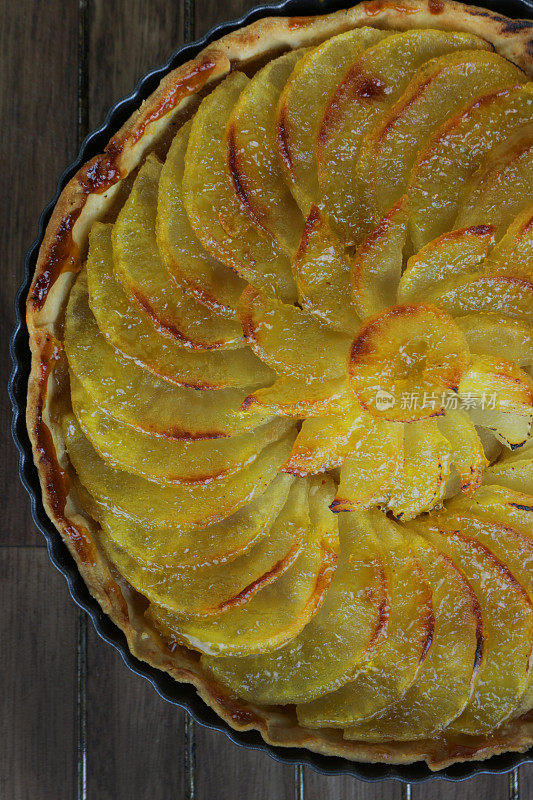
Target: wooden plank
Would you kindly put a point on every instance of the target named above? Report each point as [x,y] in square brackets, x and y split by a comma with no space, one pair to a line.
[495,787]
[136,742]
[318,787]
[38,80]
[211,12]
[38,635]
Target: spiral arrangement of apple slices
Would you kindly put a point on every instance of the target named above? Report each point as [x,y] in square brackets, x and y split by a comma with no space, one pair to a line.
[321,302]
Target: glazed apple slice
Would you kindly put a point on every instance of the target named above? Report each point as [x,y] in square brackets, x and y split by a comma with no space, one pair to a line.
[277,613]
[330,649]
[224,229]
[137,397]
[516,475]
[302,104]
[212,283]
[501,187]
[396,662]
[513,255]
[170,506]
[369,88]
[420,485]
[167,461]
[409,355]
[437,90]
[290,340]
[216,544]
[505,607]
[367,473]
[295,397]
[495,335]
[483,294]
[129,330]
[467,453]
[322,270]
[454,254]
[445,682]
[256,171]
[461,143]
[377,264]
[211,590]
[139,267]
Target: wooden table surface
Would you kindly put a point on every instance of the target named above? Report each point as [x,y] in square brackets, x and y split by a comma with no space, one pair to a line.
[74,722]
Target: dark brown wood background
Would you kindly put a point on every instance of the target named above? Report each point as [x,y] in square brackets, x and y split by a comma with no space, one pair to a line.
[75,724]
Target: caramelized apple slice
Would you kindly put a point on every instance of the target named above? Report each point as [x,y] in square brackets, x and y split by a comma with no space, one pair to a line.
[139,267]
[216,544]
[396,662]
[372,84]
[290,340]
[135,396]
[214,589]
[376,456]
[302,104]
[516,475]
[277,613]
[501,187]
[378,261]
[167,461]
[324,442]
[438,89]
[446,679]
[213,284]
[495,335]
[294,397]
[461,144]
[331,648]
[456,253]
[133,334]
[256,171]
[224,229]
[497,294]
[507,616]
[420,484]
[170,506]
[322,269]
[467,453]
[513,255]
[403,360]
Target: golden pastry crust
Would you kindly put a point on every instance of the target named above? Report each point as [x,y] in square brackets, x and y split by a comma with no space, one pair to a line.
[94,193]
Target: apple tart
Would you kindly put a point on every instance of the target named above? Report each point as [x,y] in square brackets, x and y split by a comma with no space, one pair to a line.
[281,398]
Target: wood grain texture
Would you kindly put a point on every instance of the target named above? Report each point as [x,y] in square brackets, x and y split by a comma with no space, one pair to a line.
[37,678]
[318,787]
[484,786]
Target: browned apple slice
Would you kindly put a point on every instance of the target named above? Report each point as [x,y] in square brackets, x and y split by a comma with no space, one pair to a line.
[137,397]
[322,269]
[467,453]
[409,355]
[216,544]
[507,616]
[421,482]
[256,171]
[278,612]
[437,90]
[501,187]
[496,294]
[332,646]
[294,397]
[167,461]
[212,283]
[139,267]
[513,255]
[378,261]
[454,254]
[133,334]
[302,104]
[495,335]
[396,662]
[214,589]
[367,474]
[290,340]
[516,475]
[445,682]
[461,143]
[369,88]
[170,506]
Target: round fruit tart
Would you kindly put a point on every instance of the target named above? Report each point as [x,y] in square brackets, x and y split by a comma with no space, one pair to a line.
[281,396]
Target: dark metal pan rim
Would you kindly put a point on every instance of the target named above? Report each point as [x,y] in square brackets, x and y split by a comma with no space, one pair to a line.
[179,694]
